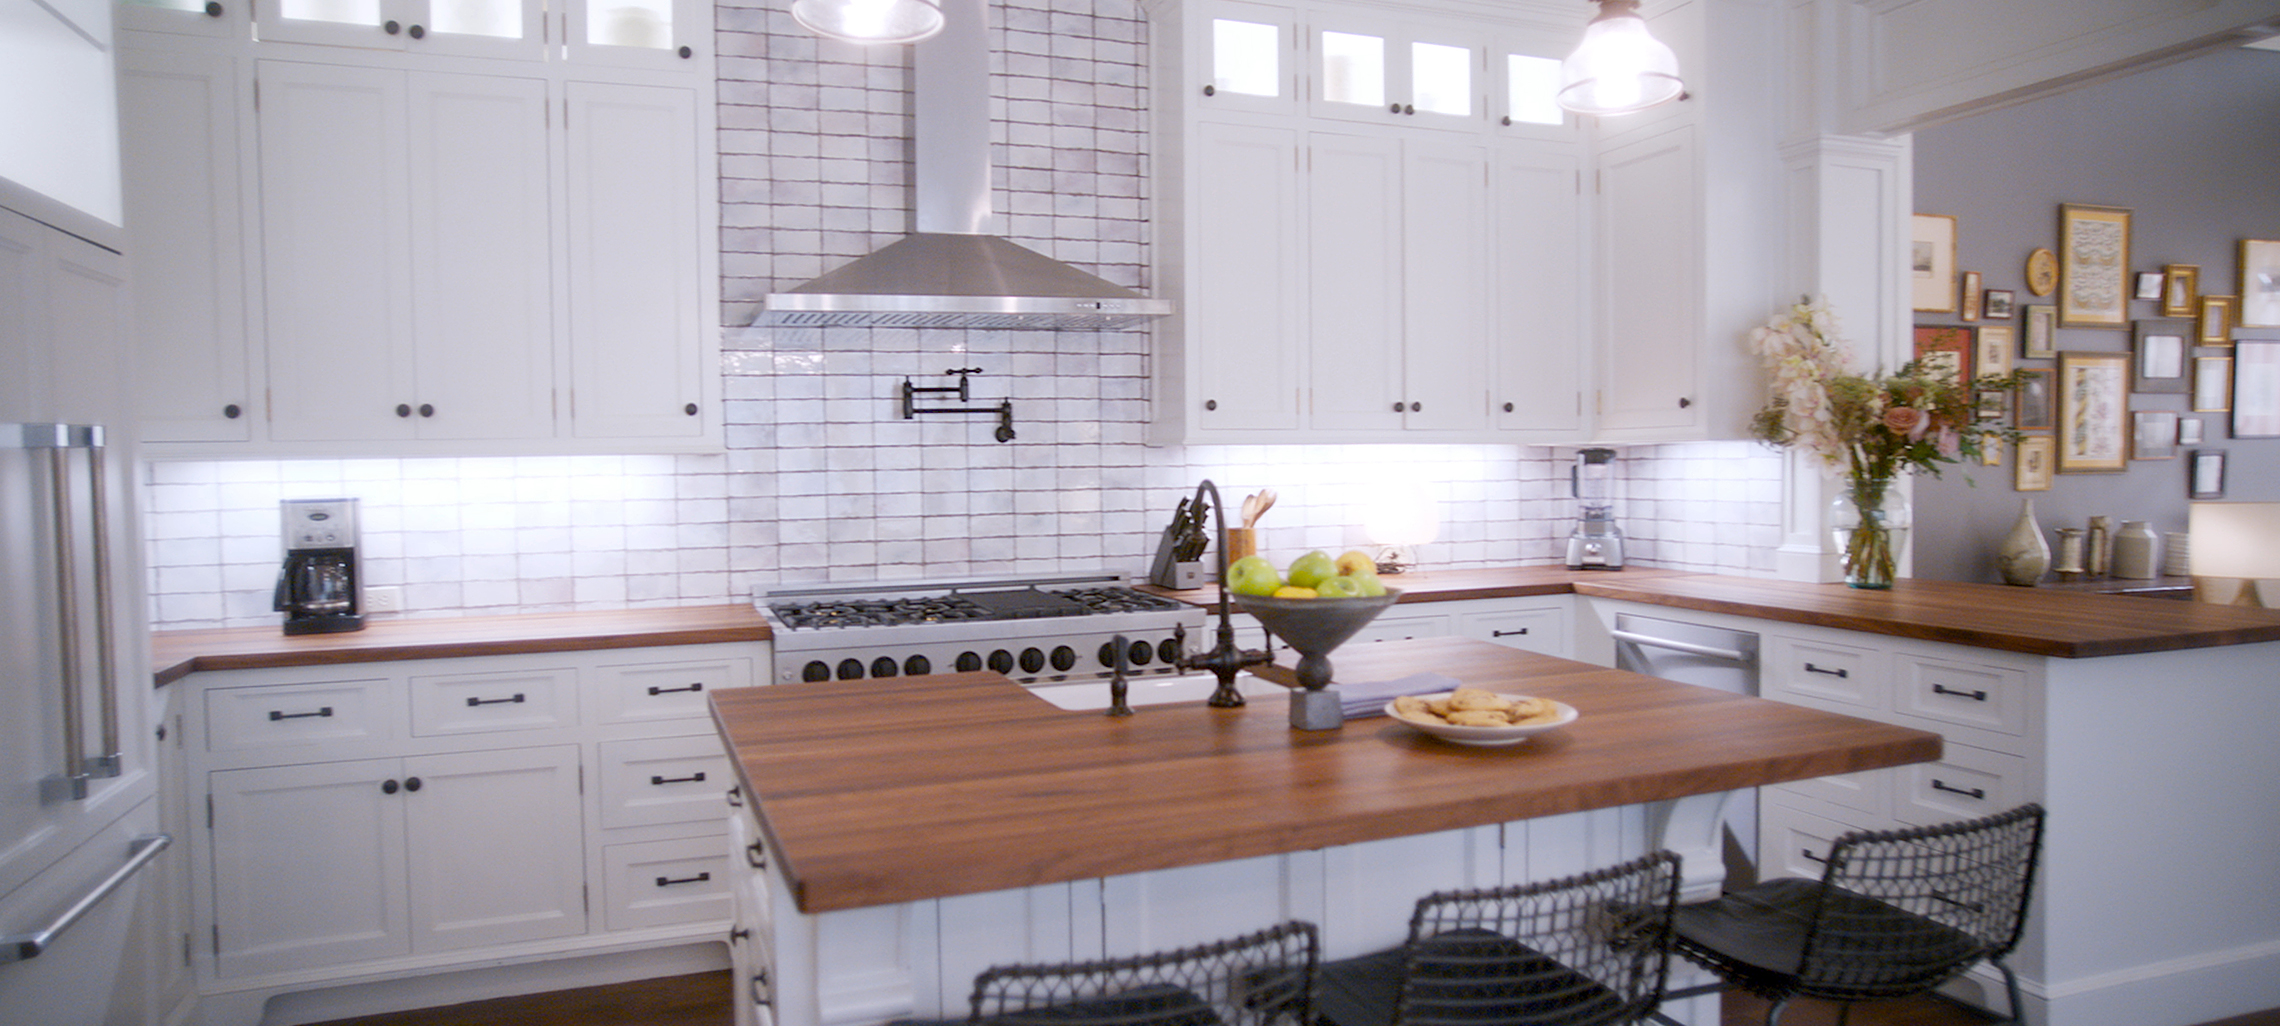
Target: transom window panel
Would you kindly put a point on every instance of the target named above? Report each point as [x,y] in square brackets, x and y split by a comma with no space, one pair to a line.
[501,18]
[1441,78]
[1531,83]
[1353,68]
[346,12]
[642,23]
[1246,57]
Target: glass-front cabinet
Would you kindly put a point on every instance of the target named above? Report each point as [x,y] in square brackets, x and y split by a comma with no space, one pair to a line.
[661,34]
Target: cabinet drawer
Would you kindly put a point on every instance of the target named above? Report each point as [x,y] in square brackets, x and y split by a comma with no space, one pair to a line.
[1821,671]
[478,702]
[332,712]
[664,780]
[1965,694]
[1403,628]
[661,883]
[1966,783]
[1542,630]
[1792,842]
[1865,793]
[648,692]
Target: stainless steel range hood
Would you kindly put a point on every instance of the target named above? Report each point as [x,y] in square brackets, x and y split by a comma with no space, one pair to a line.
[951,273]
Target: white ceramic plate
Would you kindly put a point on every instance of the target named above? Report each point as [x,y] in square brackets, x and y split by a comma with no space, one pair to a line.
[1487,735]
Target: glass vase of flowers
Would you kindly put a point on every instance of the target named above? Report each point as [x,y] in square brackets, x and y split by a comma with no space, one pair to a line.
[1871,429]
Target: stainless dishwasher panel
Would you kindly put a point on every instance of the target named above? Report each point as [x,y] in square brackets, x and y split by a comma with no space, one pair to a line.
[1711,657]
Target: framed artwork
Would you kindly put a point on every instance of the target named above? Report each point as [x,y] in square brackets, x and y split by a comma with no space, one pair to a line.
[2214,325]
[2037,408]
[2256,389]
[2094,266]
[2000,305]
[2180,290]
[1993,353]
[1945,353]
[2153,435]
[1991,448]
[2093,412]
[2188,430]
[2212,384]
[2259,291]
[1931,262]
[2042,272]
[2041,328]
[2033,471]
[2159,350]
[1971,296]
[2207,477]
[2149,285]
[1993,404]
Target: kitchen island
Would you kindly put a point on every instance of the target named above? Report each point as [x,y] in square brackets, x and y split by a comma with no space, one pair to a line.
[912,832]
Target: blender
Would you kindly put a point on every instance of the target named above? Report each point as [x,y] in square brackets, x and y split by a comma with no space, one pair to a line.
[1596,543]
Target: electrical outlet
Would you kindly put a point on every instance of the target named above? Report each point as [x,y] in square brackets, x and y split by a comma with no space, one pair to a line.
[383,600]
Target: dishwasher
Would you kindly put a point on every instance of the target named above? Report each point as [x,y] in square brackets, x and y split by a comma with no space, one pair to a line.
[1711,657]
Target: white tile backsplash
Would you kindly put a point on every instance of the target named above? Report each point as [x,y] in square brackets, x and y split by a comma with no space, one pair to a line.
[822,479]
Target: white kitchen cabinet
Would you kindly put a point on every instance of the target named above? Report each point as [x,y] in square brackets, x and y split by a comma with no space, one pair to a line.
[1649,285]
[469,28]
[395,819]
[1242,323]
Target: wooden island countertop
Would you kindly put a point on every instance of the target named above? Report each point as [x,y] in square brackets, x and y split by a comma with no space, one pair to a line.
[888,791]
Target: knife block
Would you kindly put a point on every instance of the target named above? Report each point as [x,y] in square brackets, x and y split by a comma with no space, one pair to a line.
[1167,572]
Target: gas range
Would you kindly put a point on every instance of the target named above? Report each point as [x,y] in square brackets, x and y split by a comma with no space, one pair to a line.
[1034,630]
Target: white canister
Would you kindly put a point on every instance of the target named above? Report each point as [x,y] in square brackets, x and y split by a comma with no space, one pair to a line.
[2136,551]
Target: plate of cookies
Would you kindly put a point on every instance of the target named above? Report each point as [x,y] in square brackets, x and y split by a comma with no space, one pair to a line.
[1477,716]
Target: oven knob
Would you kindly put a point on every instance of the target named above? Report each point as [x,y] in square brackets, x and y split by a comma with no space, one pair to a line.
[1032,660]
[850,669]
[1064,658]
[1108,653]
[815,670]
[968,662]
[1139,654]
[918,666]
[1169,651]
[1001,661]
[883,666]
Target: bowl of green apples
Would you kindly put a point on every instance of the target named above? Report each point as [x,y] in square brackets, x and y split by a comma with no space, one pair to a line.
[1314,606]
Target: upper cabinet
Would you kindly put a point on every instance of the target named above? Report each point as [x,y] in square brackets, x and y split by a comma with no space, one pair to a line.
[396,227]
[1369,238]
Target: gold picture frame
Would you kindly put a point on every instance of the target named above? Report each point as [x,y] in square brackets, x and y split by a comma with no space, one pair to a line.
[1932,263]
[2094,253]
[2093,412]
[2212,384]
[2180,289]
[1997,343]
[2213,324]
[2038,340]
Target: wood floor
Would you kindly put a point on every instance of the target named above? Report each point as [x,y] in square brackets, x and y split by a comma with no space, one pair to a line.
[702,1000]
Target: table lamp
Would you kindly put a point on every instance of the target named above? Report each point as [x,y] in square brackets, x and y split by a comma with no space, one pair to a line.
[2236,553]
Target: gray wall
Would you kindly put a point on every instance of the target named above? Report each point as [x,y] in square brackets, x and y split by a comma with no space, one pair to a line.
[2193,150]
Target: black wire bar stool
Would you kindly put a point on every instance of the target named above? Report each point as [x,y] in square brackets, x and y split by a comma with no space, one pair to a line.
[1259,979]
[1895,914]
[1586,950]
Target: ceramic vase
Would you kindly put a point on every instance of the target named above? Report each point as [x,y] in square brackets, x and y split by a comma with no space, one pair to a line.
[2024,555]
[2136,551]
[1869,520]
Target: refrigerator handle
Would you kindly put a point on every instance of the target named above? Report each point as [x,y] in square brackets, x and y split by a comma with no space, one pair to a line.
[22,946]
[58,440]
[108,762]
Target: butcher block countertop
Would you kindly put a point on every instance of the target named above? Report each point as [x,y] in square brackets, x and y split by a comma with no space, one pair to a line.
[887,791]
[177,654]
[2037,621]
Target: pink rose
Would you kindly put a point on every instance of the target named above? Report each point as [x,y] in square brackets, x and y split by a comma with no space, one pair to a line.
[1906,420]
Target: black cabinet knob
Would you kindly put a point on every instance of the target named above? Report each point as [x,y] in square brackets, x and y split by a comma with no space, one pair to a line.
[1409,108]
[1416,407]
[1210,91]
[1684,402]
[391,28]
[690,409]
[427,410]
[1400,407]
[232,412]
[1508,119]
[1393,108]
[1211,404]
[387,787]
[419,32]
[687,53]
[1507,407]
[213,9]
[403,410]
[411,783]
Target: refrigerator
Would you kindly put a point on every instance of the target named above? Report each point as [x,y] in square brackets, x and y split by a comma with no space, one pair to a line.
[90,930]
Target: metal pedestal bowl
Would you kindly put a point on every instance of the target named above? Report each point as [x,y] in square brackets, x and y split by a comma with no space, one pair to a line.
[1315,626]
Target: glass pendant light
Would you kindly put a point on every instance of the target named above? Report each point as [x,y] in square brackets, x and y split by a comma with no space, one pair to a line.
[870,21]
[1619,67]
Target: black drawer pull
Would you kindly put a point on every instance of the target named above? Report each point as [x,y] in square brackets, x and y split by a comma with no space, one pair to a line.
[654,690]
[756,855]
[662,781]
[1840,672]
[1810,857]
[1968,792]
[1976,696]
[762,994]
[666,881]
[736,797]
[1507,634]
[275,715]
[517,700]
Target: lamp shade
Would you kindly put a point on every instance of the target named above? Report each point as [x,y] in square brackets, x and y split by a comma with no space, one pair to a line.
[2236,539]
[1619,67]
[870,21]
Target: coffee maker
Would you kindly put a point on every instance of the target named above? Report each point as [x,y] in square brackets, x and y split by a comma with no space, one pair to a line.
[317,588]
[1596,543]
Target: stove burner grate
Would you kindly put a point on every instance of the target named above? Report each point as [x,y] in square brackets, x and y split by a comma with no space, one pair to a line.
[1014,604]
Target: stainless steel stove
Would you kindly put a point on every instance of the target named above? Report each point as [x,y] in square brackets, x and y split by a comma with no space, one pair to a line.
[1034,630]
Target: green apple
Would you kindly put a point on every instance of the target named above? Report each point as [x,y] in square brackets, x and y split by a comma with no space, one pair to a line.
[1356,563]
[1311,569]
[1253,575]
[1370,585]
[1339,587]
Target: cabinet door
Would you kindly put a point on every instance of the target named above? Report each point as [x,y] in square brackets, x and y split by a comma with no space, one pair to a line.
[1540,629]
[662,34]
[1246,272]
[496,846]
[1650,284]
[481,257]
[635,231]
[336,244]
[308,866]
[486,28]
[178,138]
[1355,282]
[1446,298]
[1539,337]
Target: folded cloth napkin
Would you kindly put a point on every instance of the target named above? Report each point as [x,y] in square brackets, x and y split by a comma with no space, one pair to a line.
[1369,699]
